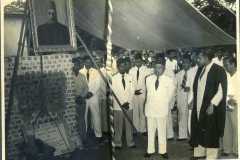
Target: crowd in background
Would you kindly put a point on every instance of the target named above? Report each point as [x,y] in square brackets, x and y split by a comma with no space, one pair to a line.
[149,85]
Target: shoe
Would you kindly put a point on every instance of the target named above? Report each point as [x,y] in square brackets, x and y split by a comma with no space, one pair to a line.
[182,139]
[148,155]
[225,154]
[144,133]
[100,140]
[165,155]
[170,139]
[118,147]
[198,158]
[133,146]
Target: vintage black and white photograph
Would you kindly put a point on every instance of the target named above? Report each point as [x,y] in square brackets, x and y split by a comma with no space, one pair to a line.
[120,79]
[52,25]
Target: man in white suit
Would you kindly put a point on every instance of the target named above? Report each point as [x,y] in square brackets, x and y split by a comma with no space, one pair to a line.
[92,102]
[123,87]
[171,69]
[182,97]
[159,92]
[139,73]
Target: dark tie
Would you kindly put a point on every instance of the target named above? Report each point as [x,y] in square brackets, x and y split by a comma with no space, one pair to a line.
[123,81]
[184,80]
[88,75]
[202,73]
[157,83]
[137,74]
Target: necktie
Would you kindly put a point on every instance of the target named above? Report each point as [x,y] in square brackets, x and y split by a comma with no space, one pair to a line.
[88,75]
[202,73]
[184,80]
[137,74]
[157,83]
[123,81]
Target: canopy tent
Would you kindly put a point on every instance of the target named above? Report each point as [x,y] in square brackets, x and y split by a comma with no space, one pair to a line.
[151,24]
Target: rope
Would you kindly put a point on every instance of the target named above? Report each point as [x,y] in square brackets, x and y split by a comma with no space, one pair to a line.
[109,11]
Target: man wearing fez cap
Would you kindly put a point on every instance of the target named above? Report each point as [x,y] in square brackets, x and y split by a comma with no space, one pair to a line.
[159,92]
[52,32]
[139,73]
[122,85]
[209,105]
[80,90]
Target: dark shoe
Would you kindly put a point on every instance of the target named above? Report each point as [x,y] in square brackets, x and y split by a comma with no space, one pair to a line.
[133,146]
[197,158]
[170,139]
[100,140]
[148,155]
[182,139]
[144,133]
[118,148]
[224,154]
[165,155]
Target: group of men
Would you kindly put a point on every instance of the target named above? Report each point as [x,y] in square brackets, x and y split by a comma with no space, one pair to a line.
[146,95]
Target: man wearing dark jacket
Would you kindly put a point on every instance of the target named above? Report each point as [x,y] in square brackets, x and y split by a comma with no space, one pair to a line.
[209,103]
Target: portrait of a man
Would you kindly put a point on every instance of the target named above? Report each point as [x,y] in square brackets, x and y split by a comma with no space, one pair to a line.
[53,25]
[52,32]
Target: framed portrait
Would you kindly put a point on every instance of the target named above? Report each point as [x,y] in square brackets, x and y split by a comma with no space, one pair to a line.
[52,23]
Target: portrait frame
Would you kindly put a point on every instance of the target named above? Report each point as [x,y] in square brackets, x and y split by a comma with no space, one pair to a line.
[36,17]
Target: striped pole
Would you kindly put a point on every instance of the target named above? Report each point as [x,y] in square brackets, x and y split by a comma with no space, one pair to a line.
[109,11]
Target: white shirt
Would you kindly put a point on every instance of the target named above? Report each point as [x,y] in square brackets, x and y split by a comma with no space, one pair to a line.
[171,66]
[94,82]
[232,87]
[143,72]
[157,101]
[217,61]
[124,95]
[190,80]
[201,89]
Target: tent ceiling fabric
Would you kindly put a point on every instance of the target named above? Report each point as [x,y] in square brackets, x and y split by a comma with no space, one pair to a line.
[150,24]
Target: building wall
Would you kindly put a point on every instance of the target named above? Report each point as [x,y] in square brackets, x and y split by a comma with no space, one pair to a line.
[29,67]
[12,28]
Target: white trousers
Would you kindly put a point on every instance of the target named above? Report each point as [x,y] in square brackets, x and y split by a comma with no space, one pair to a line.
[182,105]
[230,138]
[93,106]
[170,133]
[158,124]
[189,121]
[139,119]
[210,153]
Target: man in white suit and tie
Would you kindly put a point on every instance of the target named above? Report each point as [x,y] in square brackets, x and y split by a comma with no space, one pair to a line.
[159,92]
[139,73]
[123,87]
[92,102]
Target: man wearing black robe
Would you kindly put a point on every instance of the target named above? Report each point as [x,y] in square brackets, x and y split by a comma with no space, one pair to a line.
[209,103]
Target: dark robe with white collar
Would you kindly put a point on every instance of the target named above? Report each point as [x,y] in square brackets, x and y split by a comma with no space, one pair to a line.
[207,129]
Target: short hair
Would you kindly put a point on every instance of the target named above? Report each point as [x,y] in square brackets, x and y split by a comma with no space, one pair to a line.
[187,57]
[231,59]
[160,59]
[208,52]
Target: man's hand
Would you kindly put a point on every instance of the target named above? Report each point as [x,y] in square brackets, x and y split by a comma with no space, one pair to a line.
[79,100]
[232,102]
[89,95]
[210,109]
[125,105]
[138,92]
[186,89]
[190,105]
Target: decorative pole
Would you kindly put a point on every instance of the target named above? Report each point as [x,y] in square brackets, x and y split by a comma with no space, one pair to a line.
[108,31]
